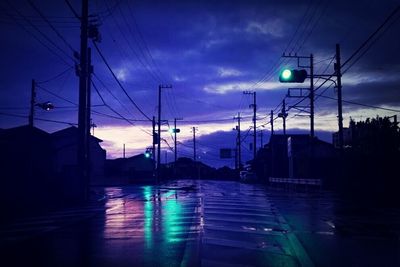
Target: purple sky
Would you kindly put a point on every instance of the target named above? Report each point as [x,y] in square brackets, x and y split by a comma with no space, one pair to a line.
[210,51]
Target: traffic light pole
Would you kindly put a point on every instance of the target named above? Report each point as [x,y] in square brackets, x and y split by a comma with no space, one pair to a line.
[159,129]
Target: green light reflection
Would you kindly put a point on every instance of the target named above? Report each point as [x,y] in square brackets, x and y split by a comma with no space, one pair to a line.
[172,220]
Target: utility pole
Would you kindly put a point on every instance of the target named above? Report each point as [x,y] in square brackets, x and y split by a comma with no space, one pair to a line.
[339,93]
[238,152]
[271,121]
[175,151]
[83,94]
[154,139]
[88,112]
[33,101]
[194,143]
[312,95]
[283,113]
[239,143]
[254,106]
[255,126]
[123,151]
[159,129]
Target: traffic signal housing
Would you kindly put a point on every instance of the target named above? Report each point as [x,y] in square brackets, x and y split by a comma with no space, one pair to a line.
[174,130]
[292,76]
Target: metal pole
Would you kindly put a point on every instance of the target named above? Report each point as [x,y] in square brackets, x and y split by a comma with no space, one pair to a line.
[312,95]
[82,121]
[154,139]
[159,134]
[175,151]
[239,144]
[339,93]
[88,112]
[272,121]
[255,126]
[32,108]
[284,116]
[194,144]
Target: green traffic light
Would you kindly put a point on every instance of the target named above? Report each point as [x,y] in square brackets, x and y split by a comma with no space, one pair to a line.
[286,74]
[147,155]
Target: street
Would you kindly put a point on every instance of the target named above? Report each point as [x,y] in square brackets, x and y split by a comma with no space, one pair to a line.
[206,223]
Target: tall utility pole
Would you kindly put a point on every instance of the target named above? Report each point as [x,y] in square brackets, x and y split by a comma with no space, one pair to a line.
[194,144]
[159,129]
[33,101]
[175,139]
[254,106]
[312,95]
[123,151]
[83,93]
[339,93]
[284,115]
[271,121]
[88,111]
[153,154]
[238,143]
[175,151]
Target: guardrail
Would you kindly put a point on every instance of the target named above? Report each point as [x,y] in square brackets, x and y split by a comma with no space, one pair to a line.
[297,181]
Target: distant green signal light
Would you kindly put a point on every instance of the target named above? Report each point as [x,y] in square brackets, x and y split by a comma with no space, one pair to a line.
[286,74]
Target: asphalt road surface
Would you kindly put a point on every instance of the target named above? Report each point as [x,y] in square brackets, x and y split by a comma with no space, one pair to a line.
[206,223]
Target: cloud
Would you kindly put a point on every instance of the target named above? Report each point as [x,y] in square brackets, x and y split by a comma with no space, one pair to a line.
[229,72]
[223,88]
[273,28]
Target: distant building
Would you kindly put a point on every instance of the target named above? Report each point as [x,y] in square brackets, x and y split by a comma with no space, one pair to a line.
[347,138]
[65,151]
[295,156]
[130,170]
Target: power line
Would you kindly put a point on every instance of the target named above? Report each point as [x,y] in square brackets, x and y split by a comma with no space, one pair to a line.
[119,83]
[51,25]
[39,31]
[56,76]
[391,15]
[360,104]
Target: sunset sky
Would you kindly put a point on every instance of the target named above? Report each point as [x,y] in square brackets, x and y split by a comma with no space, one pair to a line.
[210,52]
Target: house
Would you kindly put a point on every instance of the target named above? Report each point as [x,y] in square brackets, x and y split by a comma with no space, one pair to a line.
[27,180]
[65,151]
[134,169]
[295,156]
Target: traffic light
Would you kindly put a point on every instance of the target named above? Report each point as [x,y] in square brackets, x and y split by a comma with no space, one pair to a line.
[174,130]
[148,152]
[292,76]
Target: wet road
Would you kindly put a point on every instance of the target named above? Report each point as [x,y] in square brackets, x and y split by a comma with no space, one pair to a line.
[200,223]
